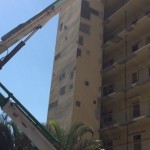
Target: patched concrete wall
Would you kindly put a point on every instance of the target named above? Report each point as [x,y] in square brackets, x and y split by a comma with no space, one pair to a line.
[76,82]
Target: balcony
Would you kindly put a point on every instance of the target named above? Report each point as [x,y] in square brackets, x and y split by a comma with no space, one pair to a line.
[141,116]
[112,91]
[131,8]
[120,31]
[112,120]
[137,56]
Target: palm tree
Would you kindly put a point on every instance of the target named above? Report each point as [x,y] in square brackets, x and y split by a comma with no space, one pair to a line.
[75,137]
[11,137]
[6,138]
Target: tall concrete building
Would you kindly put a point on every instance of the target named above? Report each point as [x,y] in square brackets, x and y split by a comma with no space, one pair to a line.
[101,73]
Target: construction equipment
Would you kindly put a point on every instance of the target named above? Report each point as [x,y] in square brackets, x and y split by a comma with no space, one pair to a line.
[28,29]
[36,132]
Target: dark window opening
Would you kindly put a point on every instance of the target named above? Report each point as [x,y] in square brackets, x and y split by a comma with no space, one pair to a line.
[61,27]
[57,56]
[136,110]
[65,27]
[87,83]
[135,47]
[78,52]
[108,63]
[80,40]
[137,142]
[94,102]
[53,104]
[71,75]
[62,76]
[107,118]
[71,86]
[108,89]
[134,77]
[85,28]
[85,10]
[78,103]
[62,90]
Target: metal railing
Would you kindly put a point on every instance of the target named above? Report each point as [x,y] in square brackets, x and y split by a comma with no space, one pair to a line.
[130,23]
[109,12]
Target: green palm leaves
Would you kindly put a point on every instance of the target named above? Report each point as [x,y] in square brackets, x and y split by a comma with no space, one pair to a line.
[78,137]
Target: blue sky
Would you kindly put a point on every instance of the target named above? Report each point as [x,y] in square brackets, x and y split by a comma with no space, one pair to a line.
[28,74]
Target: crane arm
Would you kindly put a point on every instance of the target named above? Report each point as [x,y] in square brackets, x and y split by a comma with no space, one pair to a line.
[29,26]
[36,132]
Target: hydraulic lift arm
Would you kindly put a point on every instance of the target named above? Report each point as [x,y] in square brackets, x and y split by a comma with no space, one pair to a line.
[36,132]
[24,29]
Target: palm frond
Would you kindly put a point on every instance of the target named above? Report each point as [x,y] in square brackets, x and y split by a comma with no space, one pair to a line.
[57,131]
[72,137]
[90,145]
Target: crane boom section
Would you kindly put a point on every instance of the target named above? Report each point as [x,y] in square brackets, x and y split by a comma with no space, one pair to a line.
[32,24]
[27,126]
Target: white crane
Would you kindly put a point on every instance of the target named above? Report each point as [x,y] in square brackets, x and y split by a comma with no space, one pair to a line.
[28,29]
[17,112]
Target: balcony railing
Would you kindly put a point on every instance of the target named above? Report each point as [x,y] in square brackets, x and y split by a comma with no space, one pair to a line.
[120,58]
[130,25]
[109,11]
[118,118]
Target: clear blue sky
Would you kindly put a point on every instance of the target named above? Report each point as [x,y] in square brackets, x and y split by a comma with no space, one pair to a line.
[28,74]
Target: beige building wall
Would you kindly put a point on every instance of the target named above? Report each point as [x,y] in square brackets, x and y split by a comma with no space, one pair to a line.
[76,82]
[126,75]
[64,68]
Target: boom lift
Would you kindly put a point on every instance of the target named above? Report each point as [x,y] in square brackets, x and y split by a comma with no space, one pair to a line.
[36,132]
[28,29]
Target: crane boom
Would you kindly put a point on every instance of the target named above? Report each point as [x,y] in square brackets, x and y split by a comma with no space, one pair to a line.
[29,26]
[36,132]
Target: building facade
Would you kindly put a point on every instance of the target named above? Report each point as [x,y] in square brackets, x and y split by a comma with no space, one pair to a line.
[101,73]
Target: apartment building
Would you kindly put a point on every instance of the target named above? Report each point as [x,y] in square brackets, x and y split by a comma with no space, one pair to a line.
[125,101]
[101,73]
[75,88]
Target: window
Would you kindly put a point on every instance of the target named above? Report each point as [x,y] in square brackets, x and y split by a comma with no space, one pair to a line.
[71,74]
[108,89]
[61,27]
[137,142]
[65,27]
[80,40]
[62,90]
[136,110]
[85,28]
[57,56]
[135,47]
[78,103]
[71,86]
[134,77]
[85,10]
[78,52]
[107,118]
[108,63]
[62,76]
[108,145]
[53,105]
[86,83]
[94,102]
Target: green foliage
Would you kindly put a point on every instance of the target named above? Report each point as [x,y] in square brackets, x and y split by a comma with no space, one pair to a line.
[11,137]
[75,137]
